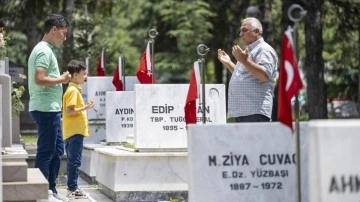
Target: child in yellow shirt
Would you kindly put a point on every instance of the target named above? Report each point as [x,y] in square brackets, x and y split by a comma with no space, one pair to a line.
[75,125]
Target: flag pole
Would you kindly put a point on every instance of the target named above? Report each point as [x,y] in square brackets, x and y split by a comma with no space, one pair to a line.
[87,61]
[295,14]
[122,63]
[202,50]
[104,57]
[152,34]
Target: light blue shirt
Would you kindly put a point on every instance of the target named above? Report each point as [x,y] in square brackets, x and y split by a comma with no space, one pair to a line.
[248,95]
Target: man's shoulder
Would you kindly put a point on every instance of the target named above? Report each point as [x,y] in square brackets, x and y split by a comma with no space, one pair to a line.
[265,47]
[42,49]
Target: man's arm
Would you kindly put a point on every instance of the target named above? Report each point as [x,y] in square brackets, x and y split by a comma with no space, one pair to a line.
[42,79]
[255,69]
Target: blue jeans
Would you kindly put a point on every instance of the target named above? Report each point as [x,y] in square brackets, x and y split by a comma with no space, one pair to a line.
[73,146]
[252,118]
[50,145]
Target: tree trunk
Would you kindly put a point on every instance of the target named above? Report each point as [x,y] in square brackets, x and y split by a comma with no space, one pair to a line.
[314,64]
[266,20]
[69,43]
[30,28]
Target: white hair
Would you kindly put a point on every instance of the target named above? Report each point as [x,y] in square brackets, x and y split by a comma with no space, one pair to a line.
[255,23]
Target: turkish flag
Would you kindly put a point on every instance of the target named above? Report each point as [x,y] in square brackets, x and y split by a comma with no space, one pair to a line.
[289,82]
[193,94]
[144,72]
[117,77]
[101,64]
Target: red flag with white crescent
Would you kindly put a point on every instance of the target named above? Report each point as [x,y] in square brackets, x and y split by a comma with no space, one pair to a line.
[193,94]
[118,76]
[145,70]
[289,82]
[101,64]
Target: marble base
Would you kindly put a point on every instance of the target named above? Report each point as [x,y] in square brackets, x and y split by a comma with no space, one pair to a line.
[36,187]
[149,174]
[14,166]
[14,171]
[97,132]
[89,162]
[145,196]
[14,153]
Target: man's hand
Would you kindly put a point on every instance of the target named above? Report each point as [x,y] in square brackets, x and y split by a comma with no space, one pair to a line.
[223,57]
[240,54]
[66,76]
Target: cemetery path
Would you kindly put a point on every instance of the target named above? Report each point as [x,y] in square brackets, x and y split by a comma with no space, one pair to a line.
[95,195]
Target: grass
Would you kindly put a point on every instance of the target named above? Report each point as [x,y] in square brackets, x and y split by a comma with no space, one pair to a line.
[30,139]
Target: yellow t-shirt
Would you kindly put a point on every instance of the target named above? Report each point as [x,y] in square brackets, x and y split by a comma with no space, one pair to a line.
[76,123]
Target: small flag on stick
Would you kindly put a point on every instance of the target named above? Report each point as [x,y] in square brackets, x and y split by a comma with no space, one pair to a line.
[289,82]
[101,64]
[193,94]
[118,76]
[144,72]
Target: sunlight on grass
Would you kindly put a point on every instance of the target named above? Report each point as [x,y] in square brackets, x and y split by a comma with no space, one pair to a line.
[29,139]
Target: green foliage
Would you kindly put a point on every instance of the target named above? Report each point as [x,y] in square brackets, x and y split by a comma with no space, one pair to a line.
[16,102]
[3,43]
[341,58]
[176,200]
[17,47]
[182,25]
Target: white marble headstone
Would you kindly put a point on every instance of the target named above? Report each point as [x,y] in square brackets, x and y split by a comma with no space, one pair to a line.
[334,161]
[160,116]
[130,82]
[4,66]
[245,162]
[84,92]
[97,88]
[1,131]
[5,81]
[119,115]
[0,113]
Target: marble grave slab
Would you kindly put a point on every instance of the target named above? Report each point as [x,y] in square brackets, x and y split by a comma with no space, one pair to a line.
[120,116]
[160,118]
[334,160]
[245,162]
[97,88]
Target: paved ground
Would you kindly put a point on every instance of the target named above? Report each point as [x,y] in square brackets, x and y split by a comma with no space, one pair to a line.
[94,193]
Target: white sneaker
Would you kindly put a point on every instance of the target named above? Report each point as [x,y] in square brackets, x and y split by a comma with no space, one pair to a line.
[50,198]
[58,197]
[77,194]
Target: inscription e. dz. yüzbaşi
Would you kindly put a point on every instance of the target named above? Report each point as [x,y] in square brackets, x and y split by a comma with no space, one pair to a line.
[255,175]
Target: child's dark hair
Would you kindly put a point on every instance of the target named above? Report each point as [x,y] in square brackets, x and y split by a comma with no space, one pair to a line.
[55,20]
[75,66]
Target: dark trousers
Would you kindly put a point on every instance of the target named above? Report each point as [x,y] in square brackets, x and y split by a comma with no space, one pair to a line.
[73,146]
[50,145]
[252,118]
